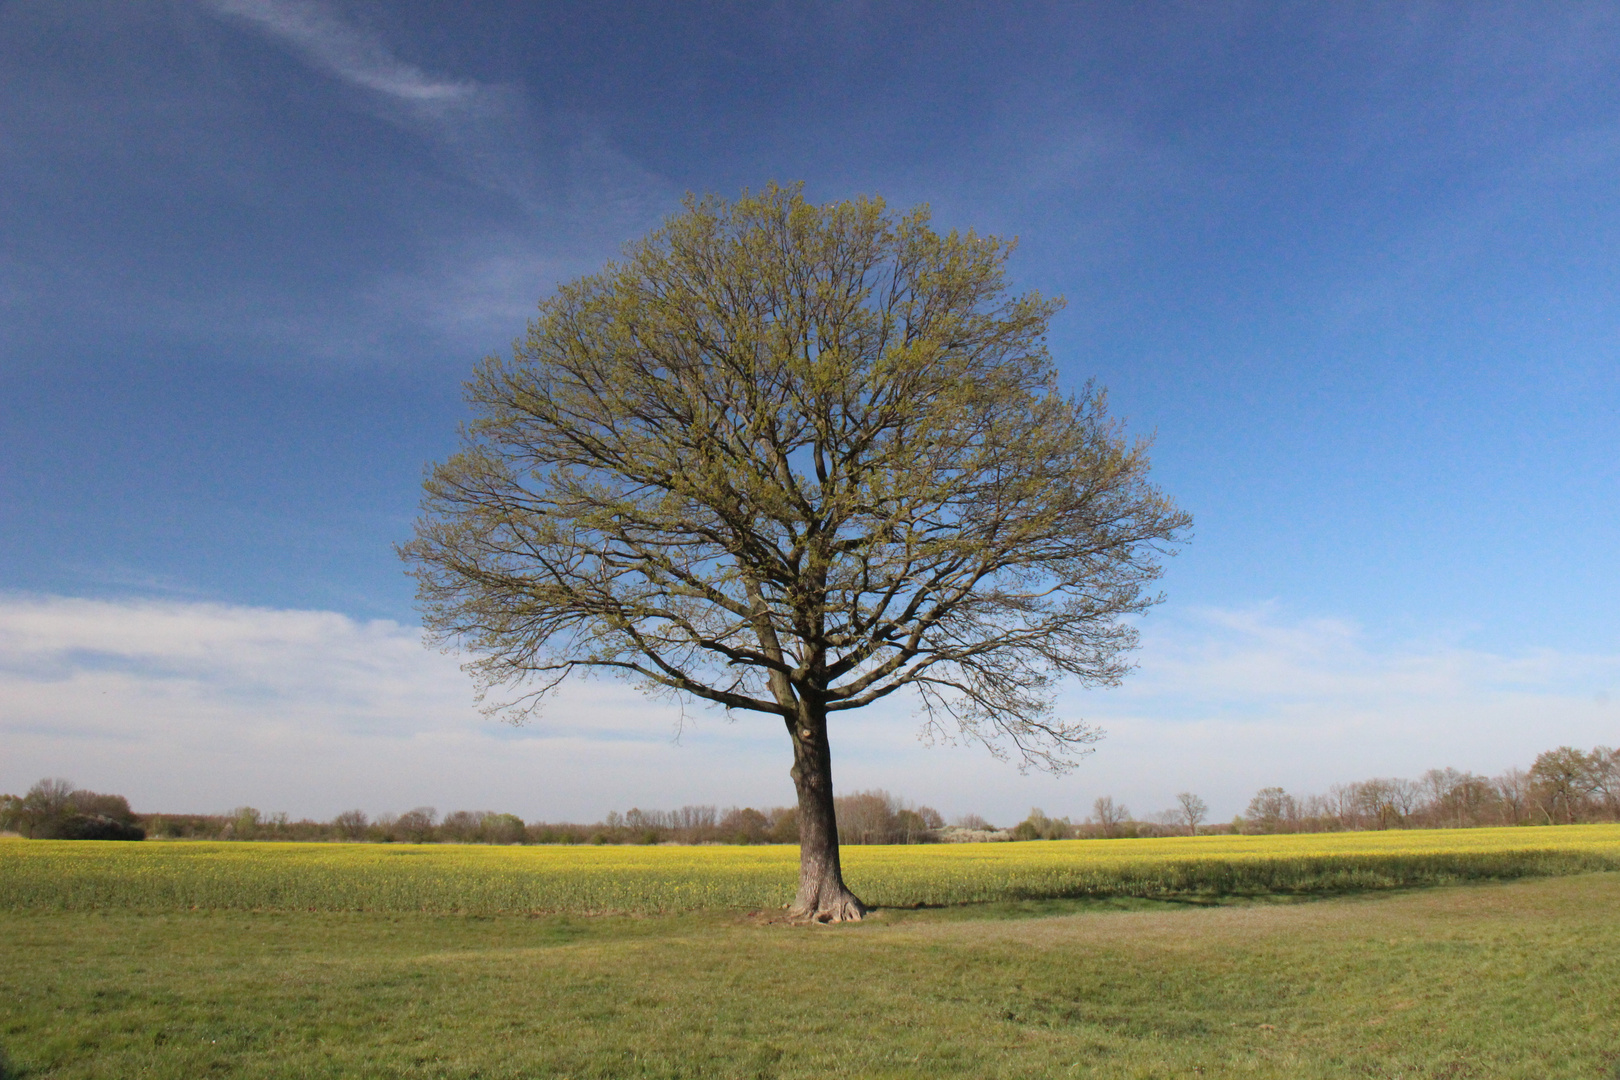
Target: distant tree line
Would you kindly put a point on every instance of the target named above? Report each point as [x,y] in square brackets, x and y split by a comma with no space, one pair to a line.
[1109,820]
[423,825]
[1563,786]
[865,817]
[54,809]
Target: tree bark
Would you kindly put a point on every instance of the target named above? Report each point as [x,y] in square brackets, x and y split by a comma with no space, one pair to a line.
[823,896]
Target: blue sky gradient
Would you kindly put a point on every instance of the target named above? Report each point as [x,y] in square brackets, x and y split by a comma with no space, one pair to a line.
[1353,264]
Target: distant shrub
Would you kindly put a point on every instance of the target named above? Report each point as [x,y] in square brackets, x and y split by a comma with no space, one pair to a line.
[1040,827]
[876,817]
[744,826]
[501,829]
[98,827]
[54,809]
[460,827]
[784,825]
[351,824]
[243,823]
[416,825]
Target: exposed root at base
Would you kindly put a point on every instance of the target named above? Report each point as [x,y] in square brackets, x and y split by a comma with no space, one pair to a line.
[845,908]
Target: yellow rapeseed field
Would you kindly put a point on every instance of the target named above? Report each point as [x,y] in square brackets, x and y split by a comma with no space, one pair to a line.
[475,879]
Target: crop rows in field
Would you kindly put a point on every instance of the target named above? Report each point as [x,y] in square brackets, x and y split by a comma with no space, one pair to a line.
[476,879]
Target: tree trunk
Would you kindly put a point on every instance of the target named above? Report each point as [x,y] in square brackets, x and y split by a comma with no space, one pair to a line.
[822,897]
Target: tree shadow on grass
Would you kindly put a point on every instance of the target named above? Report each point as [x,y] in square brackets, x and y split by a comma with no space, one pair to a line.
[1044,907]
[8,1071]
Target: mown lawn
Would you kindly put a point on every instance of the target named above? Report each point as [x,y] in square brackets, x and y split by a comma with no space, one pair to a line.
[1517,979]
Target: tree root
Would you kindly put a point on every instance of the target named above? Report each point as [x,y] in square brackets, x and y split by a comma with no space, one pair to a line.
[838,909]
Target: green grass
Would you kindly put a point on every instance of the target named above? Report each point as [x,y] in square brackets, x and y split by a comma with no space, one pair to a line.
[1514,980]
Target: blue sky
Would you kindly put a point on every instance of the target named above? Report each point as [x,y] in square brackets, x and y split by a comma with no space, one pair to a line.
[1352,264]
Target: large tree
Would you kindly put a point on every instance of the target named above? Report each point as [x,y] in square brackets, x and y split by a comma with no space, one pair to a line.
[791,459]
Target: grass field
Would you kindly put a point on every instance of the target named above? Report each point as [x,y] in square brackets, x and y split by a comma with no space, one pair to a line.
[181,960]
[1514,980]
[474,879]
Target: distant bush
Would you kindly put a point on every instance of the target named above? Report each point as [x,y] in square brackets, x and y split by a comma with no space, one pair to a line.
[416,825]
[784,825]
[460,827]
[98,827]
[745,826]
[501,829]
[1040,827]
[243,824]
[876,817]
[54,809]
[351,824]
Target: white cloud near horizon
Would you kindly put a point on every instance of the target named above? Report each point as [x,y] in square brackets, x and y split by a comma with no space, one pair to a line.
[200,707]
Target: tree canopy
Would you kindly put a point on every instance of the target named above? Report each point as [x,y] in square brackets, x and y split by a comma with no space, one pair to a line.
[791,459]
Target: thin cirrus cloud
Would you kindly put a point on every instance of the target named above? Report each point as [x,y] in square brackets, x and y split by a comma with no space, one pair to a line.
[487,129]
[575,194]
[482,129]
[195,707]
[350,53]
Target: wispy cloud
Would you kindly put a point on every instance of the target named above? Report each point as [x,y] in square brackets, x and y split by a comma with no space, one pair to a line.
[482,128]
[578,197]
[487,128]
[350,53]
[204,706]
